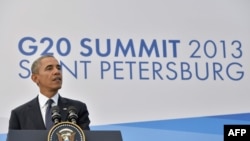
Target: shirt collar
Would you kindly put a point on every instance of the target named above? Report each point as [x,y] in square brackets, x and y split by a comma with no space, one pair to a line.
[43,99]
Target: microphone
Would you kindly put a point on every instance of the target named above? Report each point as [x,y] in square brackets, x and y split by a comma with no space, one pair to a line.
[55,114]
[72,114]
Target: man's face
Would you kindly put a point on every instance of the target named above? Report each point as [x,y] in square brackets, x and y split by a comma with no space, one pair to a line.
[49,77]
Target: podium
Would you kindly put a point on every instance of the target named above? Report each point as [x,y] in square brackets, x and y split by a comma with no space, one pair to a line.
[41,135]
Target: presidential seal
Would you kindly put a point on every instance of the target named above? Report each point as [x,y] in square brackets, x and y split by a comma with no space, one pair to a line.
[66,131]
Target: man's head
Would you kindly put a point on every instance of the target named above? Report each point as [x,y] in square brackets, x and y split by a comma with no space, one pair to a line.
[46,73]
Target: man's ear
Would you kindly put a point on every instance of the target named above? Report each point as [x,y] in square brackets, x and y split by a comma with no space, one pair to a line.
[35,79]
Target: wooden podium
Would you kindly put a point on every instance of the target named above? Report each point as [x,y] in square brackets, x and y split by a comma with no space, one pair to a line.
[42,135]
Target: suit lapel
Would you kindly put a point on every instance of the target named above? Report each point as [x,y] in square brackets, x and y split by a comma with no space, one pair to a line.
[35,114]
[63,105]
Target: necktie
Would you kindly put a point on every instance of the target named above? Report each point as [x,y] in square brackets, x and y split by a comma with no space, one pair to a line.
[48,120]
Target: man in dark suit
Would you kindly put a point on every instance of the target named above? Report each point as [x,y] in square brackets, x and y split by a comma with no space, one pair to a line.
[46,73]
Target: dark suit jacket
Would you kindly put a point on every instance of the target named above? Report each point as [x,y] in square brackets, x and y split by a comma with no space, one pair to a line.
[28,116]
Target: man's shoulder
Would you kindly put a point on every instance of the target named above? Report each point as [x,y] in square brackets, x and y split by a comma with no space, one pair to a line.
[65,99]
[72,102]
[26,105]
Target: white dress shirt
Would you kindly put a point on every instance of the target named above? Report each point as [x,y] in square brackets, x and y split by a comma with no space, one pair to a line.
[43,103]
